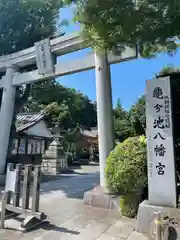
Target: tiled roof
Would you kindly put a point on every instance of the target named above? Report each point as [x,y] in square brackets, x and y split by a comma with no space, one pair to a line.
[93,133]
[26,120]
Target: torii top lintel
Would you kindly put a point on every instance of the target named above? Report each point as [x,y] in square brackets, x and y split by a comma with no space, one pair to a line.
[59,46]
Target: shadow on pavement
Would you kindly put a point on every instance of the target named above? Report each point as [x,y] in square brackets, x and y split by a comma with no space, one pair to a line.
[48,178]
[49,226]
[74,170]
[73,187]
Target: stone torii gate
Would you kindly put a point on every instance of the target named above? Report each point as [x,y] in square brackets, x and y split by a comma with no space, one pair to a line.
[11,65]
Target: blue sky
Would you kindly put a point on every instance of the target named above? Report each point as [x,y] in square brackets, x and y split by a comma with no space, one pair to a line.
[128,78]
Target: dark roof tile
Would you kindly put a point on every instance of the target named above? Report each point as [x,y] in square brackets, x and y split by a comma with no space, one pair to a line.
[26,120]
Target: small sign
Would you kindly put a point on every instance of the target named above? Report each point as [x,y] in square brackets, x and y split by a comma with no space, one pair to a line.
[38,147]
[22,146]
[43,147]
[29,150]
[33,147]
[44,59]
[10,181]
[14,146]
[160,147]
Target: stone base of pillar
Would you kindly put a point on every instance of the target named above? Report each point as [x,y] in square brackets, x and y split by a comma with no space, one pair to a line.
[146,216]
[54,161]
[99,198]
[56,166]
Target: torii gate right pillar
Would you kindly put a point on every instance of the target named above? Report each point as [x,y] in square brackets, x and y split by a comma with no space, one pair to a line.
[104,111]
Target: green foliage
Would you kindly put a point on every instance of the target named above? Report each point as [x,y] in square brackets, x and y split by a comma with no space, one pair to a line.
[129,204]
[130,123]
[126,167]
[122,124]
[115,24]
[169,69]
[137,115]
[65,106]
[24,22]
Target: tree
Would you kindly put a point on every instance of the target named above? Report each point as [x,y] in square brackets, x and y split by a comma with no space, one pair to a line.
[138,116]
[66,107]
[122,124]
[115,24]
[130,123]
[24,22]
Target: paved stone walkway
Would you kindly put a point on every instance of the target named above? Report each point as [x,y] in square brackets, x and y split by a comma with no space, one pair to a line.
[69,219]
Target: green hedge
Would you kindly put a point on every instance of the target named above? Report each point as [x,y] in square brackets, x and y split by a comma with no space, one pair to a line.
[126,169]
[129,204]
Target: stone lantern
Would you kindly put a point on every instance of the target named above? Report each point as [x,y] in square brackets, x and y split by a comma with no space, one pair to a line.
[56,132]
[54,161]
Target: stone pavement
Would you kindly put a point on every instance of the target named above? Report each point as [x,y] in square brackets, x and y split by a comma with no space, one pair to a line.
[69,219]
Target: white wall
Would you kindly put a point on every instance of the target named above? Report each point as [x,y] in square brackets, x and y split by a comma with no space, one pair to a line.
[39,130]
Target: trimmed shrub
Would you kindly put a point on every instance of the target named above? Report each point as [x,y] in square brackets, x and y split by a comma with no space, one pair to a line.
[129,204]
[126,173]
[126,169]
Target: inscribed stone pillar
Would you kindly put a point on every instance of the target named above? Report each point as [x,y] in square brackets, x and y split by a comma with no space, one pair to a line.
[160,143]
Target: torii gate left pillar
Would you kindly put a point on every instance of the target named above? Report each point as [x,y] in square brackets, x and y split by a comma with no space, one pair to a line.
[7,108]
